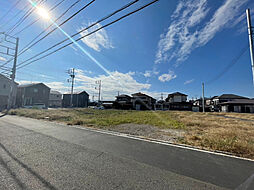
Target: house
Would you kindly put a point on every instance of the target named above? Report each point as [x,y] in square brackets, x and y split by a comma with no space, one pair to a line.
[225,98]
[32,94]
[216,101]
[55,99]
[198,104]
[160,105]
[5,88]
[176,97]
[142,101]
[79,99]
[177,101]
[123,101]
[238,105]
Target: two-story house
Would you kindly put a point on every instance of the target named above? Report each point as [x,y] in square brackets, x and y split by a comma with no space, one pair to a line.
[30,95]
[177,101]
[123,101]
[142,101]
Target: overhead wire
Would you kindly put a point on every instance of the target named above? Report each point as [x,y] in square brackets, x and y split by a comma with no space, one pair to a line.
[36,20]
[22,19]
[12,7]
[229,66]
[95,23]
[100,28]
[27,46]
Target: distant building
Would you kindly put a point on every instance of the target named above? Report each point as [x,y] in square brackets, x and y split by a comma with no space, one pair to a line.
[176,97]
[160,105]
[80,99]
[142,101]
[225,98]
[123,101]
[238,105]
[32,94]
[216,101]
[5,88]
[177,101]
[55,99]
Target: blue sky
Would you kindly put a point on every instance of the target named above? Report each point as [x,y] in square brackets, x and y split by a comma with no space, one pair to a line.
[167,47]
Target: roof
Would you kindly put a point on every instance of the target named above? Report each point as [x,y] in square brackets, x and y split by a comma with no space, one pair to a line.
[54,92]
[32,84]
[123,95]
[79,92]
[141,94]
[3,76]
[231,96]
[239,101]
[177,93]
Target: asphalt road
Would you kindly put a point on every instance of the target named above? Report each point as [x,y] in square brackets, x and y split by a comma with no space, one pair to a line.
[43,155]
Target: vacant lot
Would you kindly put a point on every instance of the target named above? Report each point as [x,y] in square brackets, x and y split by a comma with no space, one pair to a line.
[230,132]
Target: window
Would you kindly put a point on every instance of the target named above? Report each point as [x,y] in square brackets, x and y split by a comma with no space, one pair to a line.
[35,90]
[4,86]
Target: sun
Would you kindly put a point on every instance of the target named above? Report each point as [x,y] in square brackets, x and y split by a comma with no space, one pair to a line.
[43,13]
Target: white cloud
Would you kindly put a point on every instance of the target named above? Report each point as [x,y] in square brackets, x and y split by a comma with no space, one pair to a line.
[3,58]
[117,81]
[167,76]
[189,81]
[222,18]
[188,31]
[150,73]
[98,40]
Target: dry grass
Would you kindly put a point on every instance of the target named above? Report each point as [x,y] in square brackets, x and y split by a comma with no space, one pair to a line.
[230,132]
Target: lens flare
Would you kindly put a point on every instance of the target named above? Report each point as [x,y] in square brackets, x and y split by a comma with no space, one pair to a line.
[43,13]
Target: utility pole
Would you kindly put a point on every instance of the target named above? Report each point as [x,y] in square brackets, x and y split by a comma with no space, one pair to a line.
[9,49]
[71,72]
[203,97]
[250,31]
[99,83]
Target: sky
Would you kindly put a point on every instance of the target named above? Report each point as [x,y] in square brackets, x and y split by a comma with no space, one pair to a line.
[167,47]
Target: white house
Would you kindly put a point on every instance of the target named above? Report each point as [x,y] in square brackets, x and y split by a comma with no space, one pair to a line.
[5,88]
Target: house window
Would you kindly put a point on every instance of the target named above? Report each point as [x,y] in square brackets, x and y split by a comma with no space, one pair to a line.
[4,86]
[35,90]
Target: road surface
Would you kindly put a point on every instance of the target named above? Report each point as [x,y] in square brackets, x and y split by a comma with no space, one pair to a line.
[38,154]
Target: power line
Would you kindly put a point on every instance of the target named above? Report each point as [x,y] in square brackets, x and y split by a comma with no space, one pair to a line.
[36,20]
[104,26]
[22,19]
[10,10]
[31,44]
[95,23]
[229,66]
[23,50]
[17,14]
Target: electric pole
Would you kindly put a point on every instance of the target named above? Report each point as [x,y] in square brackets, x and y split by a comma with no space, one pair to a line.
[9,49]
[161,96]
[71,72]
[203,97]
[99,83]
[250,31]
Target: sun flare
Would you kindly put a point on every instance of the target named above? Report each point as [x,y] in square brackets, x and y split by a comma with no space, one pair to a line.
[43,13]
